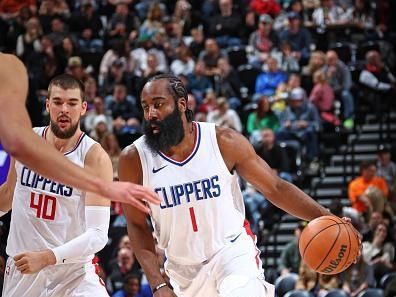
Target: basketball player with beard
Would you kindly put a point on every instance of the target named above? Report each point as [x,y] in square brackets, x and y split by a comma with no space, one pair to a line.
[56,229]
[22,144]
[193,166]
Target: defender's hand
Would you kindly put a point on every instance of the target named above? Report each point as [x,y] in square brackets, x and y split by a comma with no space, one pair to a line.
[130,193]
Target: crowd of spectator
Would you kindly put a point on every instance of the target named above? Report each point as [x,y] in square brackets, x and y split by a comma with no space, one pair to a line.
[276,71]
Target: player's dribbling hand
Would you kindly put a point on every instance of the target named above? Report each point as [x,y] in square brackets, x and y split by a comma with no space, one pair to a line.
[32,262]
[130,193]
[358,235]
[165,292]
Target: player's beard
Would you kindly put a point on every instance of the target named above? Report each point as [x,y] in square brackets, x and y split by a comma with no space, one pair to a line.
[171,132]
[68,133]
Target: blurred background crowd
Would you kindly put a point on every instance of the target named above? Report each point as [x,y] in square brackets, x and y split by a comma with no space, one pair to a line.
[309,82]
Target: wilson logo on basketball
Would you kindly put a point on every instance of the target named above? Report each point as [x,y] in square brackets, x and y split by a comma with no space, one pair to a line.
[334,263]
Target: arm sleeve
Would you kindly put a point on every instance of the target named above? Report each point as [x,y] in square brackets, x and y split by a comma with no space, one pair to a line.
[371,81]
[91,241]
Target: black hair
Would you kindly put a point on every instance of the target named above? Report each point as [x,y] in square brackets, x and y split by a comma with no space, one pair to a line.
[367,164]
[67,81]
[176,88]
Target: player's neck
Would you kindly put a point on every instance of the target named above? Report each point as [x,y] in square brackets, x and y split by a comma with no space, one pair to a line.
[63,145]
[182,150]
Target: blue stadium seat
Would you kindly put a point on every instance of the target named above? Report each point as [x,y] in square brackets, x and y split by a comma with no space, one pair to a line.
[297,293]
[372,293]
[285,283]
[336,293]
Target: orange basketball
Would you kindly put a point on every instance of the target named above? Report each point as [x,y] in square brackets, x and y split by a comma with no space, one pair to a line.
[328,245]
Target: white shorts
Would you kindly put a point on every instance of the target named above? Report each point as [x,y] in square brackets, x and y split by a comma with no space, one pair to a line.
[78,279]
[235,271]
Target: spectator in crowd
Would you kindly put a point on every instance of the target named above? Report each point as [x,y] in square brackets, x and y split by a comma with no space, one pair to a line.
[75,68]
[65,51]
[210,56]
[100,128]
[98,109]
[281,22]
[322,96]
[379,252]
[186,16]
[122,23]
[376,75]
[130,288]
[91,91]
[184,63]
[267,82]
[329,13]
[117,74]
[262,118]
[226,26]
[58,31]
[124,112]
[224,116]
[368,192]
[29,42]
[153,23]
[86,24]
[124,264]
[286,60]
[307,279]
[316,62]
[300,121]
[298,37]
[110,144]
[290,258]
[198,82]
[357,278]
[274,155]
[375,219]
[262,41]
[227,83]
[197,44]
[386,169]
[341,81]
[363,17]
[283,90]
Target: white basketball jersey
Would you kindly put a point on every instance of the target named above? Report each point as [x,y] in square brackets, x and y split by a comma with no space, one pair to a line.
[202,207]
[45,213]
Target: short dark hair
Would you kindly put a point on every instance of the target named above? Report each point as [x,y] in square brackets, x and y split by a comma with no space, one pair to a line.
[176,88]
[366,164]
[67,81]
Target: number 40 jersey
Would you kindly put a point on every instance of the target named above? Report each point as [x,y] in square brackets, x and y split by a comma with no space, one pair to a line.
[46,213]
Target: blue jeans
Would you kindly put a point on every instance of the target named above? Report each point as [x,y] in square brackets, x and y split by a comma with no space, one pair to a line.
[348,104]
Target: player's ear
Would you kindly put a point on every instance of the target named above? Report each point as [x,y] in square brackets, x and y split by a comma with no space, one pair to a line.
[182,104]
[84,108]
[47,104]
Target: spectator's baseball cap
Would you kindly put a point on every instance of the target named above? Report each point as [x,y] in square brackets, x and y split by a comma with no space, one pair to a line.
[74,61]
[99,119]
[293,15]
[297,94]
[266,18]
[383,148]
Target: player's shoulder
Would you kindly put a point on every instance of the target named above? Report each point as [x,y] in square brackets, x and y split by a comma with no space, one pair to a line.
[228,137]
[130,152]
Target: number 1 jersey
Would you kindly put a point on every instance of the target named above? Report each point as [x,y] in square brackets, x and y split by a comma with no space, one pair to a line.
[202,207]
[46,213]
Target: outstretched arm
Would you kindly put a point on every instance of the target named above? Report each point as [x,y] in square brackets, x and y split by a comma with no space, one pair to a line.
[238,153]
[24,145]
[130,169]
